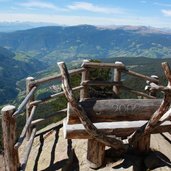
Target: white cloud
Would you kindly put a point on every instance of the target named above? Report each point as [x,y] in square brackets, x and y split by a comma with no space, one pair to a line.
[38,4]
[166,12]
[76,20]
[94,8]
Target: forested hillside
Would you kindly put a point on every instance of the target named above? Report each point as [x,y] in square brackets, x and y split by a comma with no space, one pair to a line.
[12,69]
[53,43]
[38,49]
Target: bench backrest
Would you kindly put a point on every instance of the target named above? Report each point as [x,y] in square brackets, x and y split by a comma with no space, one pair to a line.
[111,110]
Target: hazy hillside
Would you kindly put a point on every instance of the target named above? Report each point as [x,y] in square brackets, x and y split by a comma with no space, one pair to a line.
[40,48]
[12,70]
[53,43]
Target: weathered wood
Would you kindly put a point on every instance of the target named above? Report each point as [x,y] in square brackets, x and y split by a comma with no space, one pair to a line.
[45,119]
[27,151]
[11,157]
[95,153]
[100,83]
[85,76]
[167,72]
[29,87]
[36,102]
[140,76]
[138,92]
[152,123]
[24,131]
[153,92]
[79,110]
[56,77]
[119,129]
[143,145]
[103,65]
[54,126]
[110,110]
[117,78]
[25,101]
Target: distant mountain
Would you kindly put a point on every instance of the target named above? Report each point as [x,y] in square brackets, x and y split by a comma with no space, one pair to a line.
[12,70]
[14,26]
[53,43]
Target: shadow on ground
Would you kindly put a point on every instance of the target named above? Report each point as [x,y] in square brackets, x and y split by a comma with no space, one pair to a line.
[152,160]
[148,161]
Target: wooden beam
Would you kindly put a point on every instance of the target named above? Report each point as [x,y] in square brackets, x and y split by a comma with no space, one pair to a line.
[140,76]
[56,77]
[26,127]
[25,101]
[103,65]
[100,83]
[45,119]
[119,129]
[115,110]
[37,102]
[27,151]
[139,93]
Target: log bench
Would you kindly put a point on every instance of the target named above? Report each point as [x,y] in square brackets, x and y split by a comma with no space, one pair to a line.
[117,123]
[115,117]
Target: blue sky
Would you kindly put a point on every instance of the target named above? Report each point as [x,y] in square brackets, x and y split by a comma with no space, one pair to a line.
[156,13]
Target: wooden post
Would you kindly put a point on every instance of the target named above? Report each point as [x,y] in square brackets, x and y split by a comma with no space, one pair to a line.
[117,78]
[143,145]
[85,76]
[95,153]
[9,137]
[28,106]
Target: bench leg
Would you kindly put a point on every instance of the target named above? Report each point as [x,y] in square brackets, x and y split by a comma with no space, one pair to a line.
[143,145]
[95,153]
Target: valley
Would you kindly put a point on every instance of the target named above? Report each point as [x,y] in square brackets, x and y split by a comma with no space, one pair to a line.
[34,52]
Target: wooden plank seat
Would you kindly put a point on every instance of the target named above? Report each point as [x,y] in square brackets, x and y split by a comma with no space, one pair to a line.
[121,129]
[108,122]
[120,117]
[114,117]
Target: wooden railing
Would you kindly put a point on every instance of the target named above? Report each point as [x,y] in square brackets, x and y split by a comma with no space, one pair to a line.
[29,105]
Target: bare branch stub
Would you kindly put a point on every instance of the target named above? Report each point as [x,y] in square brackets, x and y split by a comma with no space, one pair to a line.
[167,72]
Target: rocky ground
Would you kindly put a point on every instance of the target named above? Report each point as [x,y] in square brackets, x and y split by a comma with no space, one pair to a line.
[52,152]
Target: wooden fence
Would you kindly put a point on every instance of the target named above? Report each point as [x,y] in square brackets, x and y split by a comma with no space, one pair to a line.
[10,113]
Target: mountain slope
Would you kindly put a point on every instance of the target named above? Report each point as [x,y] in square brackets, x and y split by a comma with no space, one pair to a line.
[56,42]
[11,70]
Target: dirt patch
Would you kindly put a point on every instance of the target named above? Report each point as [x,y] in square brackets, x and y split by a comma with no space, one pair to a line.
[52,152]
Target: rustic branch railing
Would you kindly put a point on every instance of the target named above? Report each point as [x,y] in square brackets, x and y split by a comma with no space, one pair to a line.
[24,102]
[10,113]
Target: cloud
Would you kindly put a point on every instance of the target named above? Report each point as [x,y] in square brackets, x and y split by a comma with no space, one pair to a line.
[166,12]
[94,8]
[76,20]
[38,4]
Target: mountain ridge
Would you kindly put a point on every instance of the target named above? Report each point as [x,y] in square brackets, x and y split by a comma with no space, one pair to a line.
[86,41]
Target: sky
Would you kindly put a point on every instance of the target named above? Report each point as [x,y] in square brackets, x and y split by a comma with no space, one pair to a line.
[155,13]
